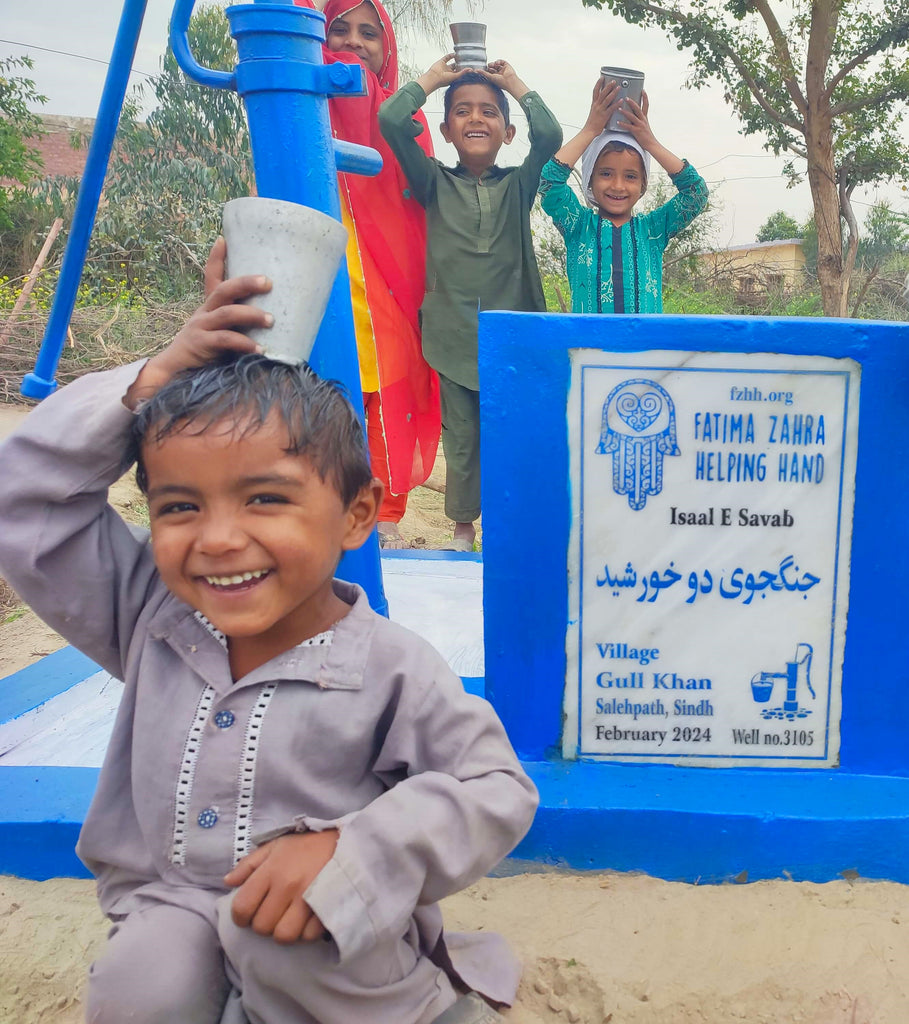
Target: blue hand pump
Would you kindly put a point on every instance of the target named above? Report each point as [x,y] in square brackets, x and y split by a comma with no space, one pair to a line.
[285,88]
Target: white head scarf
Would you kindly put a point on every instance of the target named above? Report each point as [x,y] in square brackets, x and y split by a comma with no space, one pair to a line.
[592,152]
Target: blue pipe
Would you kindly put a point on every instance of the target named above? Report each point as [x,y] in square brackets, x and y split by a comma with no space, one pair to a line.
[285,87]
[40,382]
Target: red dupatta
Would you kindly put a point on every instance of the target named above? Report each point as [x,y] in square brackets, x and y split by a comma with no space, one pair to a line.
[391,235]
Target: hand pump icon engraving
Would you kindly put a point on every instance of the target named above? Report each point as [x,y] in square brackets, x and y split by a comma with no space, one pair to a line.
[798,671]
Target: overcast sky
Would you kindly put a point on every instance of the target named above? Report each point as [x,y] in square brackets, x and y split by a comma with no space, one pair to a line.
[557,49]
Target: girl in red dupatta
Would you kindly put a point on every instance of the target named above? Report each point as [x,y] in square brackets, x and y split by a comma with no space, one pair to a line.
[386,257]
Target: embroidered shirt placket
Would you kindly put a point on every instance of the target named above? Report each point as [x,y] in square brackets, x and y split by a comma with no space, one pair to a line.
[618,272]
[247,780]
[187,774]
[485,233]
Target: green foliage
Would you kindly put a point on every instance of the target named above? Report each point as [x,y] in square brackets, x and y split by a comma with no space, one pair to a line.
[19,161]
[557,293]
[886,234]
[694,301]
[170,175]
[697,298]
[779,226]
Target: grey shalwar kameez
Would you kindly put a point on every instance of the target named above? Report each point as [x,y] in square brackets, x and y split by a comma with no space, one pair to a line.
[372,733]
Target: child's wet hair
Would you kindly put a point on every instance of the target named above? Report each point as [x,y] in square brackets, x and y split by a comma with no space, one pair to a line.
[243,392]
[475,78]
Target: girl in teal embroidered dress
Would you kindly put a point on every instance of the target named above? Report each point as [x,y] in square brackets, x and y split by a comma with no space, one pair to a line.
[614,257]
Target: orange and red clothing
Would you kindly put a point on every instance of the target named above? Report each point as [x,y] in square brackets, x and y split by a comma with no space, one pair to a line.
[386,259]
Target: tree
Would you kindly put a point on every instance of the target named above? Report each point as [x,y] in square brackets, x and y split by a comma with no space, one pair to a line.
[886,233]
[19,161]
[170,175]
[829,86]
[778,225]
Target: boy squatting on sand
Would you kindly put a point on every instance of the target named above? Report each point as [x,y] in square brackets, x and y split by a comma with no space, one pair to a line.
[479,246]
[614,257]
[275,737]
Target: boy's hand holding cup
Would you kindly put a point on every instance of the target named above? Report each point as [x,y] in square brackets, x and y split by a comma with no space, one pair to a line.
[440,74]
[502,74]
[634,121]
[217,326]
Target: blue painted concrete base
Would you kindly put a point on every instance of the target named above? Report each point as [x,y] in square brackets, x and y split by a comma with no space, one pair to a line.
[691,824]
[710,825]
[41,812]
[694,825]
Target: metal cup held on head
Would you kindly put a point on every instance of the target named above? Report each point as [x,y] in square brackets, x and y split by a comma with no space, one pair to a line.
[469,44]
[631,86]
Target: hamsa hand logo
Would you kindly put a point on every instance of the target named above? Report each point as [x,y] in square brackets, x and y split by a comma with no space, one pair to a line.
[638,429]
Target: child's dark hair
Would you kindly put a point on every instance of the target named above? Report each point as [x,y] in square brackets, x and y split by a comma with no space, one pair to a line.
[475,78]
[245,390]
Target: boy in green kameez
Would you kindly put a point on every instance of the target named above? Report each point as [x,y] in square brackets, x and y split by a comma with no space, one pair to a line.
[479,246]
[614,257]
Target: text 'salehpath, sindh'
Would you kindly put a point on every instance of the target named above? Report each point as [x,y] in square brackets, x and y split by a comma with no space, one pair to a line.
[709,558]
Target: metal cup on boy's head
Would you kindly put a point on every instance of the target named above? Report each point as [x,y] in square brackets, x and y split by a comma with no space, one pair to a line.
[469,39]
[631,86]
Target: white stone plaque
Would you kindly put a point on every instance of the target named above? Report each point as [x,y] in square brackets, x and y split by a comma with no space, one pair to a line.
[709,558]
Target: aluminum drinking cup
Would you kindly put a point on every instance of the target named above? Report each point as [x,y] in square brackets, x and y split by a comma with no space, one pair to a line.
[469,39]
[631,86]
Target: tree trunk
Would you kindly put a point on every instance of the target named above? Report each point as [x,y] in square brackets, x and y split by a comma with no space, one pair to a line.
[833,280]
[832,274]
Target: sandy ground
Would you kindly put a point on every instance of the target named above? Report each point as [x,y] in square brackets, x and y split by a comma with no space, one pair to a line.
[597,948]
[627,949]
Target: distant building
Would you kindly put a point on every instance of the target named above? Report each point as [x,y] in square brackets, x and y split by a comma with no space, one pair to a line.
[56,146]
[758,267]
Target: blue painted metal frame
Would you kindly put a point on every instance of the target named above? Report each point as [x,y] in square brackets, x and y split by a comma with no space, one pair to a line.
[40,382]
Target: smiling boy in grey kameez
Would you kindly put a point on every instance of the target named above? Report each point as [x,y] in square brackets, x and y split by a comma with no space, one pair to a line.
[293,782]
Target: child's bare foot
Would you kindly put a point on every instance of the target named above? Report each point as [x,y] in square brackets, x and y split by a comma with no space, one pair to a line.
[464,536]
[390,538]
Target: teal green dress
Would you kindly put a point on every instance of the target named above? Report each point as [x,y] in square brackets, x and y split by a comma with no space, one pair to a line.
[618,270]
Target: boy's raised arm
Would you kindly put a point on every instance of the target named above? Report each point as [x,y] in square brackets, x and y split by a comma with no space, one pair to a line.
[558,198]
[602,106]
[400,129]
[544,130]
[636,122]
[64,550]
